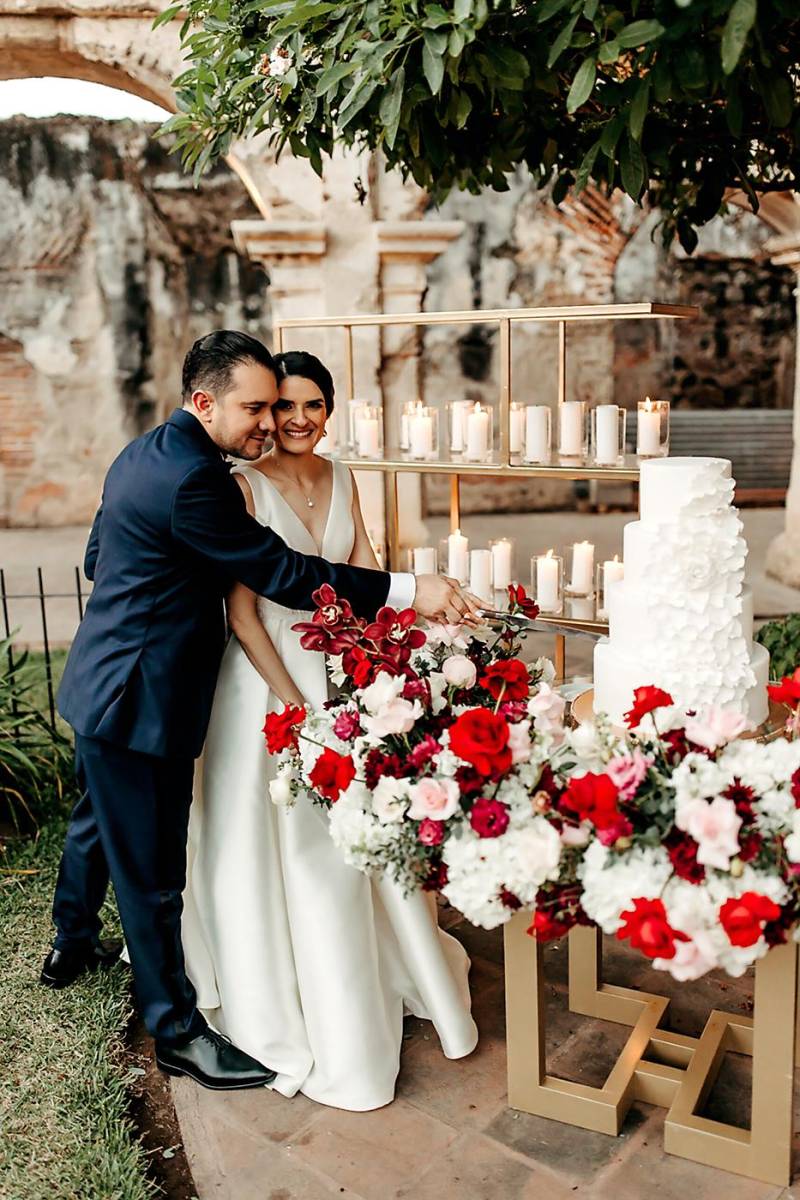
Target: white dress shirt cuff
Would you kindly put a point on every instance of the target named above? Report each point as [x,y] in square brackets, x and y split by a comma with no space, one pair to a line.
[402,590]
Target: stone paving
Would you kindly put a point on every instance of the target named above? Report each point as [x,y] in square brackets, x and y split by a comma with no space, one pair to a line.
[449,1132]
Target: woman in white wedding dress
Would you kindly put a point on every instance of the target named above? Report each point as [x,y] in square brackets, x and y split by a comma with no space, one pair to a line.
[303,961]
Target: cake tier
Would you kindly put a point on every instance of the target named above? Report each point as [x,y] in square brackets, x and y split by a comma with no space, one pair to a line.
[631,624]
[691,548]
[672,487]
[617,674]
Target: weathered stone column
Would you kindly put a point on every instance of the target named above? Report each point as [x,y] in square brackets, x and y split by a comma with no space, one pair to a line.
[405,248]
[291,253]
[783,555]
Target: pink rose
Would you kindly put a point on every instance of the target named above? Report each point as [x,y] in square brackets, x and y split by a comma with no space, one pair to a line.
[395,716]
[459,671]
[347,725]
[431,833]
[715,727]
[547,710]
[519,741]
[576,835]
[627,771]
[691,960]
[435,798]
[715,827]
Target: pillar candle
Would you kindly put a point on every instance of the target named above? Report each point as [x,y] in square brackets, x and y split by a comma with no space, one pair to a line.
[480,573]
[457,556]
[367,435]
[582,581]
[537,433]
[571,428]
[516,418]
[501,563]
[547,582]
[613,570]
[648,429]
[606,426]
[424,558]
[458,425]
[420,433]
[477,446]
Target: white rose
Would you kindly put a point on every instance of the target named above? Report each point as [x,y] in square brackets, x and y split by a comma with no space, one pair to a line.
[280,790]
[459,671]
[390,799]
[382,691]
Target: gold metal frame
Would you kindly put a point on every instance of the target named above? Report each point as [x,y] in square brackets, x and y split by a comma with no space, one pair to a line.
[506,319]
[656,1066]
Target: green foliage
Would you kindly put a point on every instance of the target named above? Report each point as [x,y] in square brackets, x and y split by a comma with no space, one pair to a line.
[34,760]
[676,100]
[782,639]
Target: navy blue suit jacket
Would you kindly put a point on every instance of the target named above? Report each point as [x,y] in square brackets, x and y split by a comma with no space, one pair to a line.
[170,538]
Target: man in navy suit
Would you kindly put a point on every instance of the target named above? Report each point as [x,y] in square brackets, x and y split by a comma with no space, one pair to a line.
[171,537]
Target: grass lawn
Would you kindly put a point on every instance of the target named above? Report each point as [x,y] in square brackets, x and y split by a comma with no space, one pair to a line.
[65,1129]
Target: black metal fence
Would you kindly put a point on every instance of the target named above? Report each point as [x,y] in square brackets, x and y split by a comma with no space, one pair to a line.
[34,629]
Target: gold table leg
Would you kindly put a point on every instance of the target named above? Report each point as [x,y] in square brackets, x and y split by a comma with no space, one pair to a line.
[687,1068]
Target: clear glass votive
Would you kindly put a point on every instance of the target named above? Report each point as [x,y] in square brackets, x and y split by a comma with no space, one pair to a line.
[423,560]
[608,435]
[607,573]
[352,409]
[405,412]
[368,431]
[516,429]
[652,428]
[538,433]
[580,569]
[572,430]
[547,582]
[502,551]
[580,608]
[423,433]
[457,425]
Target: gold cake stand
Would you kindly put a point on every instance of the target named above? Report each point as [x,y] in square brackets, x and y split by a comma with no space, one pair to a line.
[657,1066]
[582,711]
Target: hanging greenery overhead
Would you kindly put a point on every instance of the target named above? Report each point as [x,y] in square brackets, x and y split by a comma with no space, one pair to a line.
[674,101]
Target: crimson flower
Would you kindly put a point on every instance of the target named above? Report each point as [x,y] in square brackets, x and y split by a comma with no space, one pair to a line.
[436,878]
[547,926]
[423,752]
[744,917]
[397,628]
[347,725]
[645,700]
[489,818]
[592,797]
[787,691]
[281,729]
[509,900]
[332,773]
[509,677]
[430,832]
[377,764]
[480,737]
[796,787]
[649,930]
[682,851]
[331,611]
[518,599]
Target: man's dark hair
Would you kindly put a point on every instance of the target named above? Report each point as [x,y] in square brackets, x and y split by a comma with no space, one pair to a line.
[210,363]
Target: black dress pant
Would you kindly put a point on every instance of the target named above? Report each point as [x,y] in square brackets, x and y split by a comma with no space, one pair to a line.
[131,823]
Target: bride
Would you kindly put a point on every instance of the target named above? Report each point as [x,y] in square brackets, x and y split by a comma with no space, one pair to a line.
[303,961]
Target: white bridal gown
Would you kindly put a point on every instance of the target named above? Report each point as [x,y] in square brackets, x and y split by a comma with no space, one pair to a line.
[301,960]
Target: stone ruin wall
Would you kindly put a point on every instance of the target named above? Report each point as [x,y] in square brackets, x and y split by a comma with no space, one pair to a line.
[111,264]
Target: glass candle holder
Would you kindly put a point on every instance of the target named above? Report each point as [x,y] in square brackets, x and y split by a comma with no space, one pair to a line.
[457,425]
[478,433]
[353,408]
[572,431]
[423,560]
[580,608]
[423,433]
[607,573]
[608,435]
[538,433]
[580,569]
[368,430]
[405,413]
[516,429]
[652,428]
[480,574]
[502,551]
[454,556]
[547,582]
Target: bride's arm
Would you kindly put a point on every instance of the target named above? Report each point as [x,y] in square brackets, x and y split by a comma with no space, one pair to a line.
[245,622]
[363,555]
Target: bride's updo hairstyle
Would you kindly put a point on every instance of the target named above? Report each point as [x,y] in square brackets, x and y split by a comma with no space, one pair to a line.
[307,366]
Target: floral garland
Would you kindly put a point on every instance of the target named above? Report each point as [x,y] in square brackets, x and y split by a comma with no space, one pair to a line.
[445,761]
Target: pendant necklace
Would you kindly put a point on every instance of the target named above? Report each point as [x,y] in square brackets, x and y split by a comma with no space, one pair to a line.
[302,490]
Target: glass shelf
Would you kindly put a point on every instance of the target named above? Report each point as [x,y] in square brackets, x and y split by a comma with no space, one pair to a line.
[494,468]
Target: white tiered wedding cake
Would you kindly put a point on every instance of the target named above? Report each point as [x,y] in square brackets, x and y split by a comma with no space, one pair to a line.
[681,618]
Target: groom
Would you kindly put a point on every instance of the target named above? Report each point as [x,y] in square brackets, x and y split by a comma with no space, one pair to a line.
[171,537]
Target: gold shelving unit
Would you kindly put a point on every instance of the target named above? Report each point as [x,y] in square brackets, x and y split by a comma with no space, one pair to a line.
[500,465]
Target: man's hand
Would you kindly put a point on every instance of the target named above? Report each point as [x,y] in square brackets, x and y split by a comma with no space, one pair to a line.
[441,599]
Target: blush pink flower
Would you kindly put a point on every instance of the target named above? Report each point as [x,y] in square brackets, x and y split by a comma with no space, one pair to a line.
[715,827]
[691,960]
[459,671]
[547,710]
[715,727]
[434,798]
[347,725]
[431,833]
[396,716]
[519,741]
[627,771]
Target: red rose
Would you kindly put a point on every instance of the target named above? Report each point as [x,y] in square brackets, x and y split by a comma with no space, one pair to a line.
[796,787]
[480,737]
[281,729]
[332,773]
[645,700]
[647,926]
[489,818]
[593,798]
[507,677]
[787,691]
[546,926]
[682,851]
[744,918]
[430,832]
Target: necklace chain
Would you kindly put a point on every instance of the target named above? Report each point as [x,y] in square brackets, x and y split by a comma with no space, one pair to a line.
[306,496]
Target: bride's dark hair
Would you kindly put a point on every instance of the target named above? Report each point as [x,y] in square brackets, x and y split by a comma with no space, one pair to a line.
[307,366]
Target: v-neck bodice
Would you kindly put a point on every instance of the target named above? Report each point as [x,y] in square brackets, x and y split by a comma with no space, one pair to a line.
[274,510]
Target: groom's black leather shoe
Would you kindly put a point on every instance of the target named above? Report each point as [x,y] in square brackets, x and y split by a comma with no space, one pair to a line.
[63,967]
[213,1061]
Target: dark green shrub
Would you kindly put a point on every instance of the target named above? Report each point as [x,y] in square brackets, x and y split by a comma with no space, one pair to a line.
[782,639]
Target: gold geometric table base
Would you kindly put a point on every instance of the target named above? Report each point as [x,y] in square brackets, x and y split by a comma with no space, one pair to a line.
[655,1065]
